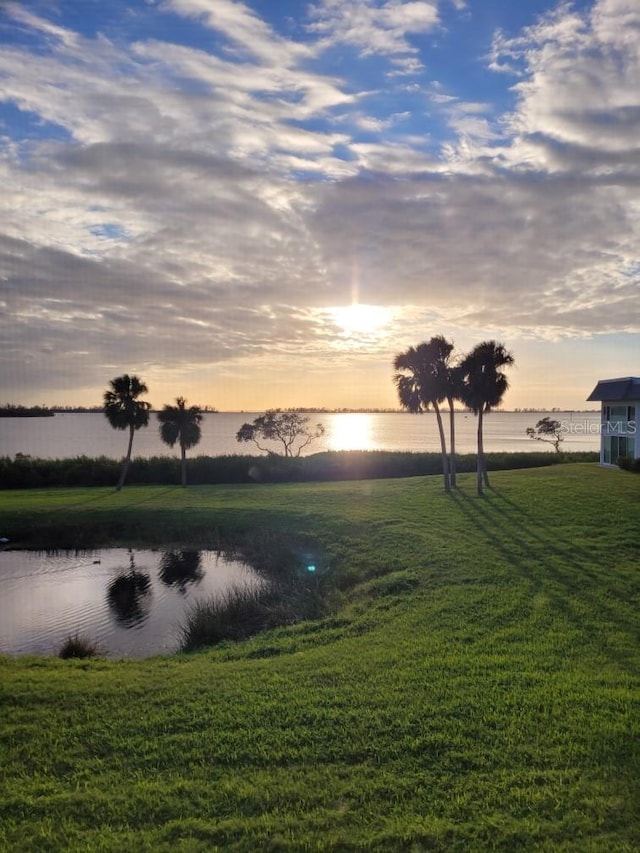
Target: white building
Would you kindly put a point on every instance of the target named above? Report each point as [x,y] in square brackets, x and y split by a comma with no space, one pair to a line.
[619,434]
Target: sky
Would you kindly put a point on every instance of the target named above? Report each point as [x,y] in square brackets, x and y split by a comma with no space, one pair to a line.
[258,204]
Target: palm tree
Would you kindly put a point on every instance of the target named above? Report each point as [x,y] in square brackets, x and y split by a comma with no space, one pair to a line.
[450,377]
[482,389]
[181,424]
[423,379]
[124,410]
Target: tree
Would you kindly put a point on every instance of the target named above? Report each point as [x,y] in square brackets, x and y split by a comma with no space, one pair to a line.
[181,423]
[124,410]
[423,379]
[549,430]
[483,384]
[285,427]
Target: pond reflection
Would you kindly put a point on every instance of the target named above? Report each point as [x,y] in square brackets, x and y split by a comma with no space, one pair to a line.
[180,569]
[129,598]
[130,602]
[129,595]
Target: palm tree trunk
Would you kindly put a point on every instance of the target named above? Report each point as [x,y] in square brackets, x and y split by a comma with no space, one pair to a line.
[443,446]
[452,445]
[480,454]
[485,473]
[126,461]
[183,466]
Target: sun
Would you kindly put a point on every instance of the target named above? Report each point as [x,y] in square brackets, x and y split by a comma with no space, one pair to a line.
[357,319]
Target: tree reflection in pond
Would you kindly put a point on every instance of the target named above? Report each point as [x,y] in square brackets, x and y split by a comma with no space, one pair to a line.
[129,596]
[179,569]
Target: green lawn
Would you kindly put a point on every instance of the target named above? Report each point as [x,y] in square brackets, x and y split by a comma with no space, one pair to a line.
[477,689]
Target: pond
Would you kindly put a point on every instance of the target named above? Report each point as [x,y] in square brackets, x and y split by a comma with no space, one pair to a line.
[130,602]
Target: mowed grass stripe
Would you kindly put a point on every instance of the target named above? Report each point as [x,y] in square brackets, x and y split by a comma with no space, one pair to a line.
[478,688]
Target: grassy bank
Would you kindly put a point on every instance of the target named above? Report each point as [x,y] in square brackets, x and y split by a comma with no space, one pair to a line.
[478,690]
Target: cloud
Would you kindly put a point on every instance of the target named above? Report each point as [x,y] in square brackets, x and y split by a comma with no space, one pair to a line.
[405,66]
[371,27]
[580,87]
[473,245]
[249,33]
[30,21]
[197,209]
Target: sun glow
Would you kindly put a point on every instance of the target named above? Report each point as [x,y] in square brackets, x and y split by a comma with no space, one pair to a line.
[359,319]
[350,432]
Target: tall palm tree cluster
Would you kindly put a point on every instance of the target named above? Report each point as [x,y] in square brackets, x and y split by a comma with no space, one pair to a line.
[125,410]
[428,374]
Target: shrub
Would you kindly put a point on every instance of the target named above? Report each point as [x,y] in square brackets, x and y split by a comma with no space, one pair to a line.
[628,464]
[243,612]
[78,646]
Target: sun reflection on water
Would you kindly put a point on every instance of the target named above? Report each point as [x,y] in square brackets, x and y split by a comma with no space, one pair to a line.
[350,432]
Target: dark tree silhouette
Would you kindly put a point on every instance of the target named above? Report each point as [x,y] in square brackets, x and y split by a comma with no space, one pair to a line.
[129,595]
[424,379]
[181,424]
[284,427]
[181,568]
[483,385]
[549,430]
[124,410]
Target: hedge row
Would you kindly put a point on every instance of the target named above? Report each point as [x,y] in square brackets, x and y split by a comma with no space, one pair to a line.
[24,472]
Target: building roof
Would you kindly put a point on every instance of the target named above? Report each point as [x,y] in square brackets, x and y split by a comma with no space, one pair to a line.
[611,390]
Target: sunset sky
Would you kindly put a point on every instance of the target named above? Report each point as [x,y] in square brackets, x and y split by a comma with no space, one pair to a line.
[257,204]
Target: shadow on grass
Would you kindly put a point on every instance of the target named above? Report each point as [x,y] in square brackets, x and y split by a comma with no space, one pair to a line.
[555,565]
[151,495]
[105,494]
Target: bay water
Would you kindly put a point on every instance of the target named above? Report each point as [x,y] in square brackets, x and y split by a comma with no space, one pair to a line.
[67,435]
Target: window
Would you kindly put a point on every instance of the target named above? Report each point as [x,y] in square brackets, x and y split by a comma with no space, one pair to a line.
[618,414]
[618,420]
[616,446]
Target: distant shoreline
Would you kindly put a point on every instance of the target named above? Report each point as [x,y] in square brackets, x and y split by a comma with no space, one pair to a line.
[11,411]
[16,411]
